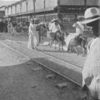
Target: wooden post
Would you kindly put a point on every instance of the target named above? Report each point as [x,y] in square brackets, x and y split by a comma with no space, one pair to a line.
[44,11]
[34,6]
[85,4]
[58,8]
[15,9]
[26,5]
[11,10]
[59,12]
[27,8]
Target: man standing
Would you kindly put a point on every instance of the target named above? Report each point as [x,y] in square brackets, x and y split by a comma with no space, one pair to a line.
[91,69]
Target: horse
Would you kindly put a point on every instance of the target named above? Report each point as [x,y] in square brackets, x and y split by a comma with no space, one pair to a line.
[58,38]
[78,41]
[81,40]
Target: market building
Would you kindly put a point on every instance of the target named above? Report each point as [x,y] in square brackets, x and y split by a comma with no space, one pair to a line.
[2,12]
[46,7]
[46,10]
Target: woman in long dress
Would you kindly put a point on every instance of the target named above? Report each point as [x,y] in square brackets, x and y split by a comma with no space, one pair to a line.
[33,35]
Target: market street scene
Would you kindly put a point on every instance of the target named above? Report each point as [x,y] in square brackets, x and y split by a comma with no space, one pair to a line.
[49,49]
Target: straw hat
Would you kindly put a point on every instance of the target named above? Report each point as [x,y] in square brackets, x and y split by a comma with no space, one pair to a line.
[91,14]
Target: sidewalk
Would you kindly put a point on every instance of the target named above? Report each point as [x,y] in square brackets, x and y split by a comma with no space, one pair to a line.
[4,36]
[62,67]
[72,58]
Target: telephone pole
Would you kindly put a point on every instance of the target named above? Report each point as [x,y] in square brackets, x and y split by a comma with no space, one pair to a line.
[85,3]
[44,11]
[34,6]
[58,9]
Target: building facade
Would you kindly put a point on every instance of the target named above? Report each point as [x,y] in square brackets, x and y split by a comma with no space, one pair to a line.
[31,7]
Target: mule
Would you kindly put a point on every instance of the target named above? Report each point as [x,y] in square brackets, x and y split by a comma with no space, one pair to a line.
[58,38]
[76,42]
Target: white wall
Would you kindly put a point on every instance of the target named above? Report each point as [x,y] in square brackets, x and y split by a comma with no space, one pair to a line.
[23,6]
[6,12]
[51,3]
[18,8]
[13,9]
[2,8]
[39,5]
[9,10]
[30,5]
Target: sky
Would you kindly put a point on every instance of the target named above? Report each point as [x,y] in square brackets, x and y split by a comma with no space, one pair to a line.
[7,2]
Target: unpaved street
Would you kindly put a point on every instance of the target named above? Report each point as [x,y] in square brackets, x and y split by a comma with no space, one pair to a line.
[8,56]
[23,79]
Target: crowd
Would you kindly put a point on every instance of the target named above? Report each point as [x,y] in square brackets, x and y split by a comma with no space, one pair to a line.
[91,69]
[84,31]
[55,31]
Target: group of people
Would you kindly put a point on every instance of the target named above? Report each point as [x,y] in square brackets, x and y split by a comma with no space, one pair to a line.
[91,68]
[35,34]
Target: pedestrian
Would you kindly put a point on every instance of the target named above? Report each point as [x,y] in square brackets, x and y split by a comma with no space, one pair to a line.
[33,34]
[91,69]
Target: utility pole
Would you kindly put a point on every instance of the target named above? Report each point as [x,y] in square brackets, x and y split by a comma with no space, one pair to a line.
[34,6]
[85,4]
[58,8]
[27,8]
[15,8]
[27,5]
[59,12]
[21,10]
[44,11]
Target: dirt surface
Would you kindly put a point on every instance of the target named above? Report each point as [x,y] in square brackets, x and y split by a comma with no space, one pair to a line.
[26,80]
[9,57]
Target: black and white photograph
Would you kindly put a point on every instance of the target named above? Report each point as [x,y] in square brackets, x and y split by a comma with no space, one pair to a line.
[49,49]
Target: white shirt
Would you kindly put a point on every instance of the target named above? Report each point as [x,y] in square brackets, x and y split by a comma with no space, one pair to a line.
[54,28]
[79,27]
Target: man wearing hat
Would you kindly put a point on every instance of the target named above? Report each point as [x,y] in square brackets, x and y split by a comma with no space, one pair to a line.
[79,30]
[92,15]
[54,28]
[91,69]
